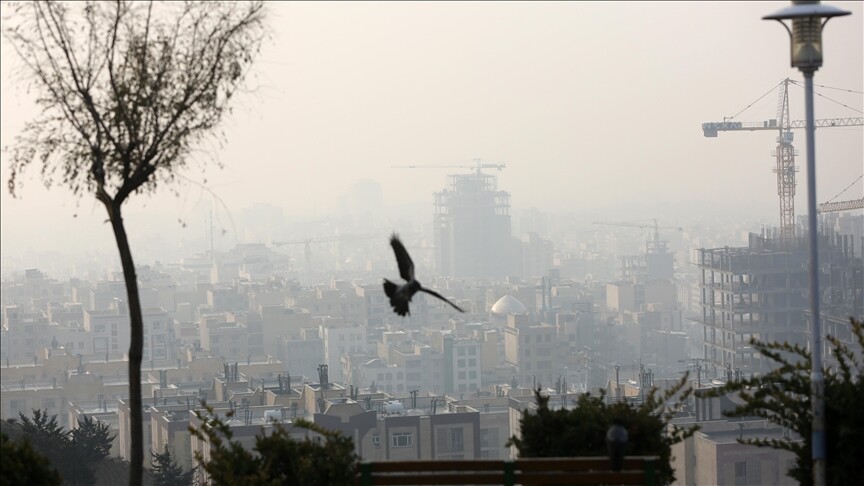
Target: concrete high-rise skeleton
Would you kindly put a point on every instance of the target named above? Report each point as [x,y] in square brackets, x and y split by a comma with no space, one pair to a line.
[472,226]
[760,291]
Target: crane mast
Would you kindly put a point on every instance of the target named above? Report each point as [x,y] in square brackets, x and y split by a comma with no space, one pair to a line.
[785,167]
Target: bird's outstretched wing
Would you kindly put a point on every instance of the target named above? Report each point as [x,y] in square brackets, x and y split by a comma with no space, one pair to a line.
[406,266]
[436,294]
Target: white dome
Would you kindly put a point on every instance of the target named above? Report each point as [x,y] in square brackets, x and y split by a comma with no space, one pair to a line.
[509,305]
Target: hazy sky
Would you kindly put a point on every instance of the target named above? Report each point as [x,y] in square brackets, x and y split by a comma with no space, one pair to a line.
[589,104]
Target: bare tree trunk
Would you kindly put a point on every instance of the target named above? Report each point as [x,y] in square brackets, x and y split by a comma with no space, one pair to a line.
[136,344]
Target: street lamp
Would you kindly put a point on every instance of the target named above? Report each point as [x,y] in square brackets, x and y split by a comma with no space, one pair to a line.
[806,52]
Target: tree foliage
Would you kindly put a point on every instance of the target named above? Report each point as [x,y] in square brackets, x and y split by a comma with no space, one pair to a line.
[76,454]
[92,437]
[127,90]
[166,472]
[782,396]
[50,440]
[581,431]
[20,464]
[42,430]
[277,458]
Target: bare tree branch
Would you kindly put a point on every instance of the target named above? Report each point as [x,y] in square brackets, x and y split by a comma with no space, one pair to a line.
[127,91]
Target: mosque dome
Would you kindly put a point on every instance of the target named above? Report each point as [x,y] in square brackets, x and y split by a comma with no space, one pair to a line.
[509,305]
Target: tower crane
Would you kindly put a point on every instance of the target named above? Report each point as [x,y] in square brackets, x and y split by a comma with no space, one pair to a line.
[655,226]
[307,243]
[785,152]
[478,166]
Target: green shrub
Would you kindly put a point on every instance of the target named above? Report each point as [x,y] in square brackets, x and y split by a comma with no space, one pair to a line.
[276,459]
[581,431]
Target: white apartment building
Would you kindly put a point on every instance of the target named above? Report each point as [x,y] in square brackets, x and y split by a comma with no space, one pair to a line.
[340,338]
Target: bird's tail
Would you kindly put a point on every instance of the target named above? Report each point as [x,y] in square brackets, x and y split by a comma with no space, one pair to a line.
[389,288]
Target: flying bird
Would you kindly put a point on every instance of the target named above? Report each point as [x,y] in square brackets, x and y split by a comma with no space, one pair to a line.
[400,295]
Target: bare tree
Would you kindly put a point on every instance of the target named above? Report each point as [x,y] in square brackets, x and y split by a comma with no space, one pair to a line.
[127,90]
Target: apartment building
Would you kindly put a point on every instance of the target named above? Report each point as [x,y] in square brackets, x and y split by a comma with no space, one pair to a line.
[534,349]
[340,338]
[463,365]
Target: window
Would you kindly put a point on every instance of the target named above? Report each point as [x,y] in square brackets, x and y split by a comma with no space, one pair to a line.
[376,440]
[489,438]
[461,363]
[99,328]
[402,439]
[457,444]
[472,362]
[472,351]
[740,473]
[472,375]
[460,351]
[461,375]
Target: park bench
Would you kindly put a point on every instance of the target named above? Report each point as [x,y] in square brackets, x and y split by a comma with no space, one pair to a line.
[527,471]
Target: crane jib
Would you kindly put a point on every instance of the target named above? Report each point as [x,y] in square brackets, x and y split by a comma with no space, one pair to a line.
[711,129]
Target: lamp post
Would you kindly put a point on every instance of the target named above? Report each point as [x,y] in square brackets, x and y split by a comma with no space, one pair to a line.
[806,52]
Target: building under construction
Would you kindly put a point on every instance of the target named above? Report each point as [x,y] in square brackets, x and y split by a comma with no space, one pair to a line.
[658,263]
[472,226]
[761,291]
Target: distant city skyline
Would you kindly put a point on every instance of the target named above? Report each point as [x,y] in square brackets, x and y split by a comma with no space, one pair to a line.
[595,107]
